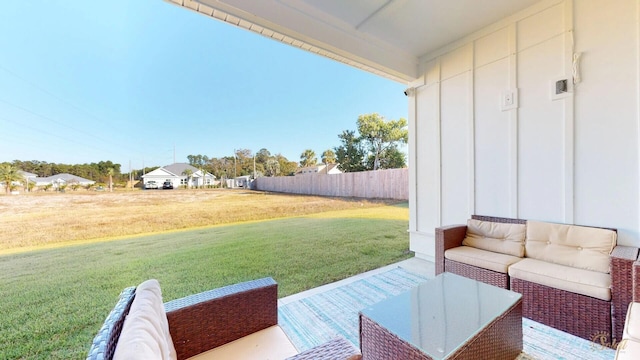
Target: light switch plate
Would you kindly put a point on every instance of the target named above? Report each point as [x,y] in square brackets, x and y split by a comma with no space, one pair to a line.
[509,99]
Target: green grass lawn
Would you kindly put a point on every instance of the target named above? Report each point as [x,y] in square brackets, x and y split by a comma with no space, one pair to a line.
[54,301]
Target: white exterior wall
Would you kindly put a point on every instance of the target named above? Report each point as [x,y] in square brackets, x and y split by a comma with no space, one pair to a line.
[573,160]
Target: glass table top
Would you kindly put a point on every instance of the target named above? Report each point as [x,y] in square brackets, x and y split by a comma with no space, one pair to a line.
[440,315]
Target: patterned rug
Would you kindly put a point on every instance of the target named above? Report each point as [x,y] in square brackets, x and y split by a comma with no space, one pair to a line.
[321,317]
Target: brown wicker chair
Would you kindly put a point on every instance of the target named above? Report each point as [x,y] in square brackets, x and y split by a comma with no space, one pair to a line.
[583,316]
[204,321]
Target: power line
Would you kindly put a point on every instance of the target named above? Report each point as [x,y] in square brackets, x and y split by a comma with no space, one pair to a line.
[32,84]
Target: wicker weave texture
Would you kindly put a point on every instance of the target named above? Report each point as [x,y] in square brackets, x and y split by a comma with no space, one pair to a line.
[499,219]
[336,349]
[500,340]
[580,315]
[477,273]
[104,343]
[622,259]
[636,281]
[228,315]
[378,343]
[447,237]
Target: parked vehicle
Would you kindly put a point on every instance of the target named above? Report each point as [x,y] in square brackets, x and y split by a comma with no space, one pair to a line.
[167,185]
[151,185]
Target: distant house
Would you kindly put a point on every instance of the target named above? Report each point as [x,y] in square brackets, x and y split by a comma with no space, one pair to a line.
[56,181]
[176,173]
[242,181]
[319,169]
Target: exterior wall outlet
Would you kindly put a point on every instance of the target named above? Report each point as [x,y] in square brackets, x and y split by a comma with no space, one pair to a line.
[509,99]
[560,88]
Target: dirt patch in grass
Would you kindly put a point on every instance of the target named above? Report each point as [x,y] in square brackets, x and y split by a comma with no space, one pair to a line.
[36,220]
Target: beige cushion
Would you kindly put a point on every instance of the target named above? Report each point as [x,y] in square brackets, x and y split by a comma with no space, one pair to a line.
[632,323]
[481,258]
[580,281]
[628,349]
[576,246]
[270,343]
[497,237]
[145,333]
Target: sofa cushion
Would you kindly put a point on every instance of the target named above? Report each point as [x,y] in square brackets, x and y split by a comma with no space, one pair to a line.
[575,246]
[145,333]
[270,343]
[628,349]
[497,237]
[579,281]
[632,323]
[481,258]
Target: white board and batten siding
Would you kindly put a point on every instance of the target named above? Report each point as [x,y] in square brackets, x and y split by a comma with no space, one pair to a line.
[572,158]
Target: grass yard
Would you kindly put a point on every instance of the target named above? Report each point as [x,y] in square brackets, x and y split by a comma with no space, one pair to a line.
[55,300]
[31,221]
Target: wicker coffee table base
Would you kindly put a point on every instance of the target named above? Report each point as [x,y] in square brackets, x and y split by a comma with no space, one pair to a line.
[501,339]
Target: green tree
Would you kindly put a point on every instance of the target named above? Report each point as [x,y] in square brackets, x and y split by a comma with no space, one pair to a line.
[198,160]
[381,135]
[262,156]
[391,158]
[350,155]
[287,168]
[9,174]
[272,167]
[328,157]
[308,158]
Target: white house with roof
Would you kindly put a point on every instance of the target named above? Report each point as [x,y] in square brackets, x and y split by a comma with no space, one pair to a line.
[58,180]
[178,175]
[517,108]
[319,169]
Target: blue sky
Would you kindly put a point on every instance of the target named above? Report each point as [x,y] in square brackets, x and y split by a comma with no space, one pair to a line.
[129,81]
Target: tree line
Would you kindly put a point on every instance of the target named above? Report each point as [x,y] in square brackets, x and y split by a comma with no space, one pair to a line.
[244,162]
[98,172]
[373,145]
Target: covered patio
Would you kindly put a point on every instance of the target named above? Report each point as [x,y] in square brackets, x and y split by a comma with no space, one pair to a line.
[526,109]
[316,316]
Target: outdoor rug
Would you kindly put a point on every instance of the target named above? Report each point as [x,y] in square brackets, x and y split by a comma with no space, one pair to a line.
[321,317]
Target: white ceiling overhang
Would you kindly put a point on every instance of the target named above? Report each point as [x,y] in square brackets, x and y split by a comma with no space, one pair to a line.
[385,37]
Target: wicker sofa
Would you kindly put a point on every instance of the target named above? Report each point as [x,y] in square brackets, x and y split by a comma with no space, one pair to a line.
[233,322]
[629,347]
[573,278]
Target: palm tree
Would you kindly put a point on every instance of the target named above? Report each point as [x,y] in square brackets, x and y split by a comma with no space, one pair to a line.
[110,171]
[8,175]
[308,158]
[328,157]
[188,173]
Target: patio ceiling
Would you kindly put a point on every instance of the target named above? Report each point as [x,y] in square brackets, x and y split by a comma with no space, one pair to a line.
[386,37]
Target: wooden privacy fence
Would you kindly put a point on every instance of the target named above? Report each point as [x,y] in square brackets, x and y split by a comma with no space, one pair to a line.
[379,184]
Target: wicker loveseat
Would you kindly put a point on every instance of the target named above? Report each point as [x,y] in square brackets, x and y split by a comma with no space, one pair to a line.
[233,322]
[573,278]
[629,347]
